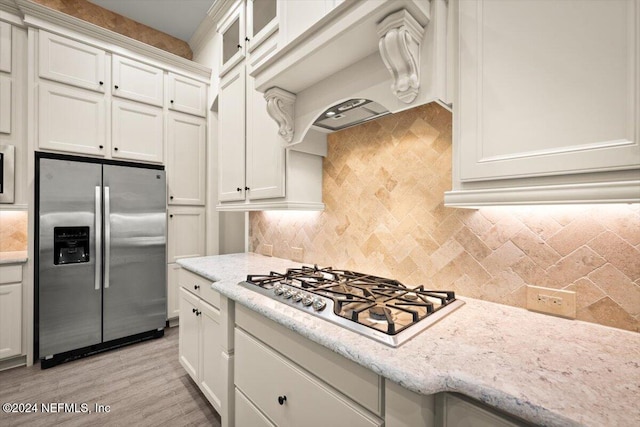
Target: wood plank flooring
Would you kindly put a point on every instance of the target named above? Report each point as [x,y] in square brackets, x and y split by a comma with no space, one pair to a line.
[144,385]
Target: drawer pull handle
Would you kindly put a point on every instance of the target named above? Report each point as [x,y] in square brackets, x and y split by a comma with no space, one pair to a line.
[282,399]
[196,287]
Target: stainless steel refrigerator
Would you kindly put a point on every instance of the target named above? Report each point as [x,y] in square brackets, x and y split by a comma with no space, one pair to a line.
[101,255]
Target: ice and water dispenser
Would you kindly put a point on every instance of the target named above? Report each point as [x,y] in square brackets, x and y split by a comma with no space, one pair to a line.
[70,245]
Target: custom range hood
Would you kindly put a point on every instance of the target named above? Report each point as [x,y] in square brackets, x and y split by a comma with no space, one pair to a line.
[363,60]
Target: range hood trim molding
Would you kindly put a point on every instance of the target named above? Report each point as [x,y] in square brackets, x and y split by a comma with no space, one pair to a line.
[281,108]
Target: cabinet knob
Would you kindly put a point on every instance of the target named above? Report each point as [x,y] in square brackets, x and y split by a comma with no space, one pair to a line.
[101,147]
[247,188]
[115,148]
[193,310]
[198,312]
[116,86]
[282,399]
[239,189]
[239,46]
[171,216]
[196,287]
[171,101]
[101,83]
[170,197]
[246,39]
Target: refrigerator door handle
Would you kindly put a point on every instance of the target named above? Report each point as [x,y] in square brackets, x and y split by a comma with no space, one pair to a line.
[98,237]
[107,237]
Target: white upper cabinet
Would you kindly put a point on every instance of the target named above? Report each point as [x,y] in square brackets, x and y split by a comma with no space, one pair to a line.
[5,103]
[186,159]
[297,16]
[71,119]
[232,33]
[5,47]
[137,131]
[137,81]
[231,140]
[187,95]
[262,21]
[71,62]
[546,89]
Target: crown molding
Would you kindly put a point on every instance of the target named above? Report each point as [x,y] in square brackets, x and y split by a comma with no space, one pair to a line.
[39,16]
[214,14]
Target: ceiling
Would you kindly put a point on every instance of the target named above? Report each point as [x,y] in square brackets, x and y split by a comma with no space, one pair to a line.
[179,18]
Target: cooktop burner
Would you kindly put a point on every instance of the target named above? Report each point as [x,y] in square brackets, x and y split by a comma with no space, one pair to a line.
[380,308]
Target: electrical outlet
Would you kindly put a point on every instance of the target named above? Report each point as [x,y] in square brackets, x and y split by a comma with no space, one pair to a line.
[267,249]
[551,301]
[297,254]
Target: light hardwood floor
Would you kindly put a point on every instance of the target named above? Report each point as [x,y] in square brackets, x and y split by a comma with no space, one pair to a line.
[144,385]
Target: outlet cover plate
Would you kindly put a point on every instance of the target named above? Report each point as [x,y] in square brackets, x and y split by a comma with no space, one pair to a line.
[297,254]
[557,302]
[267,249]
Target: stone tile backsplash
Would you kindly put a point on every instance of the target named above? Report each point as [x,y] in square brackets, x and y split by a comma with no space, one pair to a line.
[383,187]
[13,231]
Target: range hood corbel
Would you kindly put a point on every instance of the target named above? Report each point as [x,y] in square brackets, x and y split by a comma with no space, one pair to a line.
[399,43]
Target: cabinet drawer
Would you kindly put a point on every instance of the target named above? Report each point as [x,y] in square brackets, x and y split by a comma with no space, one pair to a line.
[359,383]
[266,378]
[10,274]
[249,415]
[199,286]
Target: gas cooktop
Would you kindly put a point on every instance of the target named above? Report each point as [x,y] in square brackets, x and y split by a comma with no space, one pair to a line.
[379,308]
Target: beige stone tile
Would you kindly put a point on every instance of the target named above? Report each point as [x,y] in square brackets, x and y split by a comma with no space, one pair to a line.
[575,234]
[618,287]
[625,223]
[472,244]
[618,252]
[446,253]
[574,266]
[501,285]
[502,258]
[608,313]
[475,221]
[503,230]
[447,229]
[531,273]
[535,248]
[472,268]
[517,298]
[586,291]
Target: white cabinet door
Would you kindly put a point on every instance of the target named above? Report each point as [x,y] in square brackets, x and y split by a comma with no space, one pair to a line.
[5,47]
[186,159]
[137,132]
[189,334]
[231,141]
[459,412]
[187,95]
[232,32]
[265,149]
[71,62]
[137,81]
[5,103]
[210,380]
[10,320]
[262,21]
[547,88]
[173,291]
[186,233]
[72,120]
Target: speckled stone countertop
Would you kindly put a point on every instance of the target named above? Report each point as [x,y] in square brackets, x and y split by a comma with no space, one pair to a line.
[15,257]
[546,370]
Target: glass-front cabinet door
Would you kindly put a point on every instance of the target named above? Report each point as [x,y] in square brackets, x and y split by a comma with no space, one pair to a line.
[232,32]
[261,21]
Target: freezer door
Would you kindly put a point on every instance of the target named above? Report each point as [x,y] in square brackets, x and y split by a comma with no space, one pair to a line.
[135,290]
[69,268]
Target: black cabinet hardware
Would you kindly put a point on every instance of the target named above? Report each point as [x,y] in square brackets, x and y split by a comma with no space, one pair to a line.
[282,399]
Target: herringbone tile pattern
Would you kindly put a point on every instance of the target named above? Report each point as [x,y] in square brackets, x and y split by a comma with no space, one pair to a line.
[383,188]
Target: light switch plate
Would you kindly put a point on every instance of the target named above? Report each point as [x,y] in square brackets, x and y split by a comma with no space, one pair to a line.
[551,301]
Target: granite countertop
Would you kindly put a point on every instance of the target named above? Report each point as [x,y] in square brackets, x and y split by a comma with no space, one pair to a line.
[15,257]
[546,370]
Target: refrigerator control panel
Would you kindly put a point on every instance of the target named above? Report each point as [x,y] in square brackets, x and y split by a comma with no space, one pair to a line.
[71,245]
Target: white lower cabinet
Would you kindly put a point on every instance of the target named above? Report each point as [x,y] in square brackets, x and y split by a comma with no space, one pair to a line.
[186,232]
[317,389]
[173,291]
[459,411]
[200,349]
[10,311]
[247,414]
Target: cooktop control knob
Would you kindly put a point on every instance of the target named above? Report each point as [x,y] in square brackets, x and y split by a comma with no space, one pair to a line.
[278,289]
[297,296]
[307,300]
[319,304]
[288,293]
